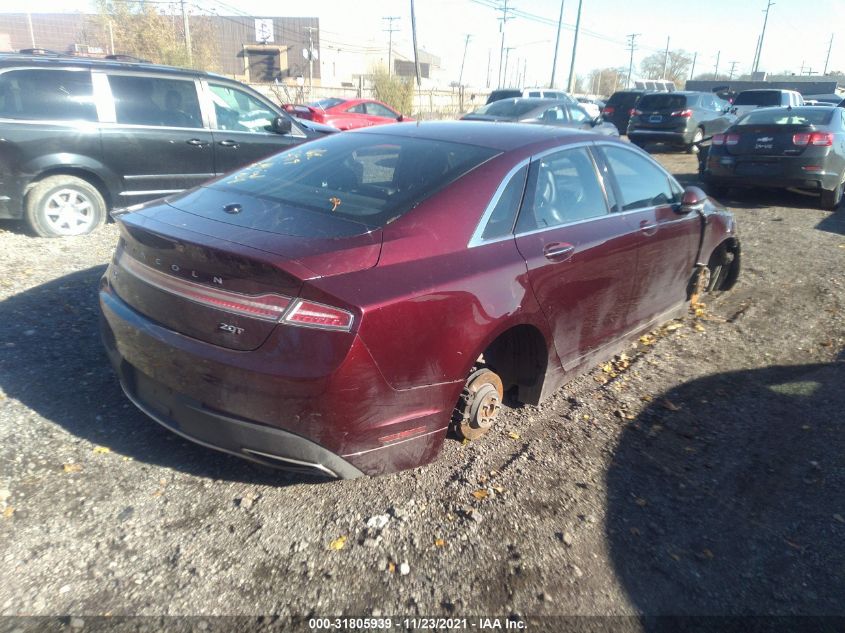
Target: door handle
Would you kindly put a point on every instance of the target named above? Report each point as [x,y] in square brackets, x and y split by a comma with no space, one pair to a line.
[197,142]
[558,252]
[228,143]
[648,228]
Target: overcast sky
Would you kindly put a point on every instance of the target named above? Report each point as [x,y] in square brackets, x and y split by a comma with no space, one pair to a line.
[798,31]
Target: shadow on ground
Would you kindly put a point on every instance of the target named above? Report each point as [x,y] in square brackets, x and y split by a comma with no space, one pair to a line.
[727,496]
[54,363]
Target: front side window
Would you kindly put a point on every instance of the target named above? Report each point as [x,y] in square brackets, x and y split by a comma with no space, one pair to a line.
[642,184]
[141,100]
[579,115]
[240,112]
[562,188]
[47,94]
[376,109]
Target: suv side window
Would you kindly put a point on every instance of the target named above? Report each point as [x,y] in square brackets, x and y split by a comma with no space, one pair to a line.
[562,187]
[47,94]
[238,111]
[141,100]
[641,183]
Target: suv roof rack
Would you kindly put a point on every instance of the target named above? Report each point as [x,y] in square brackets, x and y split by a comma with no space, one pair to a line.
[41,51]
[119,57]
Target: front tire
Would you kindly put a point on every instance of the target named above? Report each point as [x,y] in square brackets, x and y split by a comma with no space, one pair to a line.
[62,206]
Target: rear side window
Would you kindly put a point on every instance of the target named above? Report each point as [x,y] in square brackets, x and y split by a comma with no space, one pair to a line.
[562,188]
[48,94]
[665,101]
[501,220]
[759,98]
[642,184]
[370,179]
[156,101]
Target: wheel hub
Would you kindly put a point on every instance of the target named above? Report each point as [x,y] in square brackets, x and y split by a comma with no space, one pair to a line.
[481,402]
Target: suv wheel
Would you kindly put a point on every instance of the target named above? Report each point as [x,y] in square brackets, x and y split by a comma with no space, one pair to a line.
[697,137]
[61,206]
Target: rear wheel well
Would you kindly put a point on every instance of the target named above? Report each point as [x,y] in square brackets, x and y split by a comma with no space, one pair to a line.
[724,265]
[520,357]
[85,175]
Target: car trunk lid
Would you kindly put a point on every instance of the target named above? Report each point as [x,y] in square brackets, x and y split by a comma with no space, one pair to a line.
[766,140]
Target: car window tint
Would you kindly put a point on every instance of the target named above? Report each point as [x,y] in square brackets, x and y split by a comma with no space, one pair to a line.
[376,109]
[357,109]
[371,179]
[781,116]
[758,98]
[641,183]
[535,93]
[508,108]
[563,188]
[664,101]
[238,111]
[501,220]
[153,101]
[55,95]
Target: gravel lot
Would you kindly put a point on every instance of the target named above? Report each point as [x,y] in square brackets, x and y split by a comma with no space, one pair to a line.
[703,475]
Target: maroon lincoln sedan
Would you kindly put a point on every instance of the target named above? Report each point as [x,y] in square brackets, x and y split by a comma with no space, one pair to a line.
[337,307]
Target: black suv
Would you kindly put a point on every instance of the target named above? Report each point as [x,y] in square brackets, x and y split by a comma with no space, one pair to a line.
[617,109]
[81,136]
[678,118]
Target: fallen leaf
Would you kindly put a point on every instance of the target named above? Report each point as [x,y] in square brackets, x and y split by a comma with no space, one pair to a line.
[439,542]
[514,435]
[669,405]
[706,553]
[479,494]
[464,442]
[8,512]
[647,339]
[72,468]
[102,449]
[338,543]
[698,327]
[607,368]
[498,489]
[674,326]
[391,567]
[675,556]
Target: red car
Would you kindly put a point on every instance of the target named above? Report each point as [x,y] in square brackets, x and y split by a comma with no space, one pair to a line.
[347,114]
[338,306]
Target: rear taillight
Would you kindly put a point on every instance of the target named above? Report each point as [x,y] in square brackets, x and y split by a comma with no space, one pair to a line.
[318,315]
[821,138]
[266,307]
[731,139]
[635,112]
[801,138]
[682,113]
[608,110]
[718,139]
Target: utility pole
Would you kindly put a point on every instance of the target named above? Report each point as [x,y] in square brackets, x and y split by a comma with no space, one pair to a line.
[666,58]
[763,35]
[692,70]
[570,85]
[414,37]
[187,25]
[829,47]
[716,72]
[504,19]
[557,44]
[489,58]
[731,74]
[504,80]
[463,61]
[390,31]
[31,31]
[310,30]
[631,47]
[756,51]
[111,36]
[524,71]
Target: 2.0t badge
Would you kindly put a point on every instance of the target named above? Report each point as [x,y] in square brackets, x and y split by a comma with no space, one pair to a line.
[231,329]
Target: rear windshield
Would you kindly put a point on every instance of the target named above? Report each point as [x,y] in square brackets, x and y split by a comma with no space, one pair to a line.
[370,179]
[496,95]
[624,99]
[664,101]
[779,116]
[508,108]
[758,98]
[325,104]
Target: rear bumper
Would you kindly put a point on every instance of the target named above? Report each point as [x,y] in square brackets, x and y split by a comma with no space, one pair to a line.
[674,137]
[785,174]
[345,423]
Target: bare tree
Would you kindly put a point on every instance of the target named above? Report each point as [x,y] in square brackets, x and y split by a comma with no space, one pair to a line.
[138,29]
[605,81]
[677,66]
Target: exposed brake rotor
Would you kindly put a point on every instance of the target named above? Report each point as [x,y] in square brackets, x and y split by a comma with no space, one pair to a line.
[481,401]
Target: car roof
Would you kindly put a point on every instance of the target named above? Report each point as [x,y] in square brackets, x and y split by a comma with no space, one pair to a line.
[48,61]
[767,90]
[502,136]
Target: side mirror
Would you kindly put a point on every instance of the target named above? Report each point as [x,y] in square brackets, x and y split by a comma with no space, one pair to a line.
[400,118]
[281,125]
[692,201]
[598,121]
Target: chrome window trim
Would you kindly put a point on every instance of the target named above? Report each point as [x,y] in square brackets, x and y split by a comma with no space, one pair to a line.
[166,176]
[476,239]
[151,192]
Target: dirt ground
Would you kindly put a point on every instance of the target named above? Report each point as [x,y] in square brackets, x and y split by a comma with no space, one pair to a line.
[704,475]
